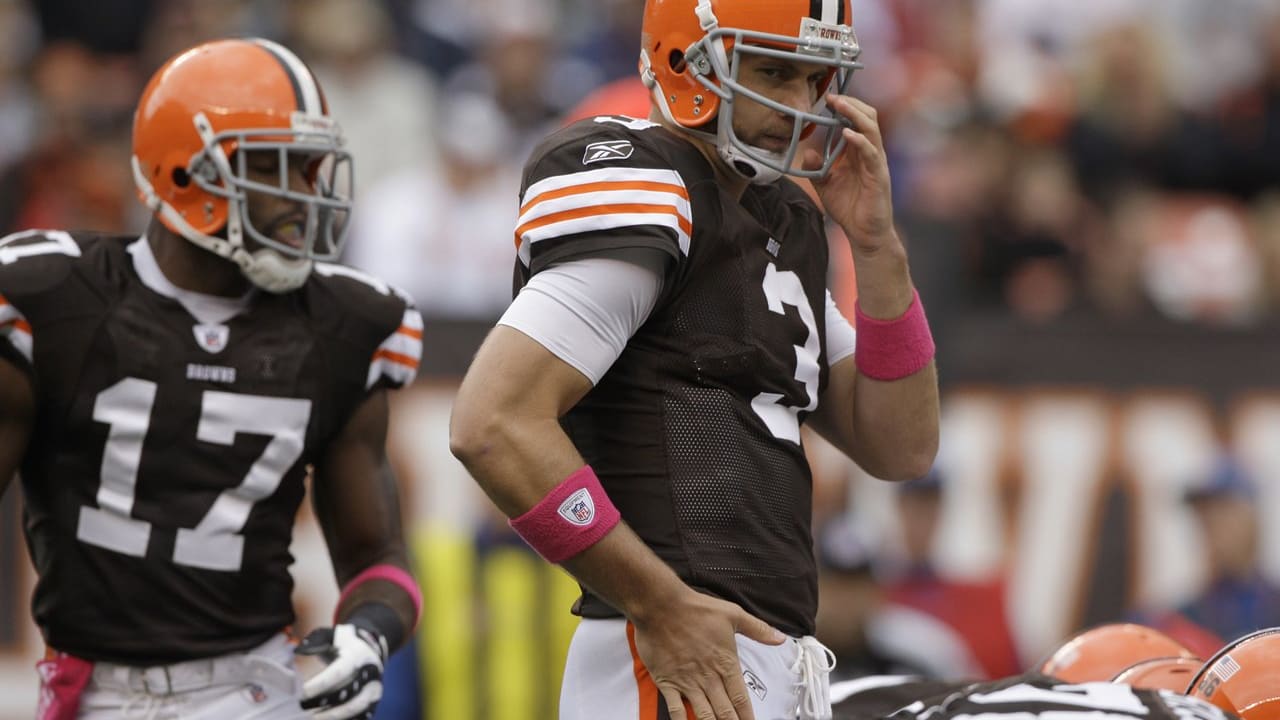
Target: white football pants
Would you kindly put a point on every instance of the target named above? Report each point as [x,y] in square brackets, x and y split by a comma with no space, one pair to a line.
[605,680]
[260,684]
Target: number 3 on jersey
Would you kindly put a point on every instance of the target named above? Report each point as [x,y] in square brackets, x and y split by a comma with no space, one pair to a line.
[783,287]
[215,543]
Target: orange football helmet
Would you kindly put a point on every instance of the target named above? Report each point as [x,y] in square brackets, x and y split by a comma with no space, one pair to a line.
[1100,653]
[690,56]
[1166,673]
[198,116]
[1244,677]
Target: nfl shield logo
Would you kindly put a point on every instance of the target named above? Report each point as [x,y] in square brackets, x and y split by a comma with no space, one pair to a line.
[578,508]
[213,338]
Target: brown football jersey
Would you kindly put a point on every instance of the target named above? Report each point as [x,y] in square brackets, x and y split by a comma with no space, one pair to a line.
[694,431]
[166,463]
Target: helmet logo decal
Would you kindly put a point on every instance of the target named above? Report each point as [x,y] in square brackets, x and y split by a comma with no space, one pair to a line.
[812,32]
[1227,667]
[607,150]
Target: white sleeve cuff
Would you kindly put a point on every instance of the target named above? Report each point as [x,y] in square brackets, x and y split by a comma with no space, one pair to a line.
[584,311]
[841,337]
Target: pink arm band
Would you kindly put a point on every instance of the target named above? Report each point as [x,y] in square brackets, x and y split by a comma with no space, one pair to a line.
[570,519]
[391,574]
[893,349]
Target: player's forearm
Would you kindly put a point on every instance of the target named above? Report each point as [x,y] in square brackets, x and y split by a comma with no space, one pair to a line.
[515,463]
[884,280]
[627,574]
[895,424]
[518,463]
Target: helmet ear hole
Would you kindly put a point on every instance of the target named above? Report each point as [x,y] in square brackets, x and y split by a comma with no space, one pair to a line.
[676,60]
[180,177]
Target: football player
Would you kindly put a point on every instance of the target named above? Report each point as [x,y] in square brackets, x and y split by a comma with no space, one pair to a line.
[165,396]
[636,412]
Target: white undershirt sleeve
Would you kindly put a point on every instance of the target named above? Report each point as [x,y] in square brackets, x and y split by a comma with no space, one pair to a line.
[584,311]
[841,337]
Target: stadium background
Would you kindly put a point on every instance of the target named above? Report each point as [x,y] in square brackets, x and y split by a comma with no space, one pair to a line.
[1090,192]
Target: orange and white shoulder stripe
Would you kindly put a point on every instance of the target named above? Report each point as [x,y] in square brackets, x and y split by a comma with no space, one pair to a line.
[398,356]
[15,328]
[604,199]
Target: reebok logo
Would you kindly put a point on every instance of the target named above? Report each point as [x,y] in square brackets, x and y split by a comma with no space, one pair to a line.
[607,150]
[753,683]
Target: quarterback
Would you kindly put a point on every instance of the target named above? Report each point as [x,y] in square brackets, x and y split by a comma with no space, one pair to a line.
[164,397]
[637,410]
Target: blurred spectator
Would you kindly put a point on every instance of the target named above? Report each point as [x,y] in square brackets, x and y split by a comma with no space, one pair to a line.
[19,38]
[1237,599]
[102,26]
[1034,256]
[174,25]
[520,63]
[849,594]
[440,34]
[1129,128]
[1251,117]
[385,104]
[1201,262]
[75,174]
[1112,259]
[950,628]
[444,233]
[1266,224]
[612,29]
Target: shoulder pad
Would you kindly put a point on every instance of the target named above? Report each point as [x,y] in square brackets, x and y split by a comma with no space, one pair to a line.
[34,261]
[603,184]
[604,141]
[385,320]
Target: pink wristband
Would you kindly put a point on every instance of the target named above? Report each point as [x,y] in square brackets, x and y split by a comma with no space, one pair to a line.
[570,519]
[391,574]
[893,349]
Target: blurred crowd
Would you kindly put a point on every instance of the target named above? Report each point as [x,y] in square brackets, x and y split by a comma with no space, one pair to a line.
[1052,157]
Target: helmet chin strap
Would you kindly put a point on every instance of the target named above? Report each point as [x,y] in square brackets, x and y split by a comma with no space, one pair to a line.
[265,268]
[743,164]
[273,272]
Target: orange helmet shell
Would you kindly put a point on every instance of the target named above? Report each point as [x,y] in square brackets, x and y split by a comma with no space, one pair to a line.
[671,27]
[1099,654]
[1244,677]
[1167,673]
[235,84]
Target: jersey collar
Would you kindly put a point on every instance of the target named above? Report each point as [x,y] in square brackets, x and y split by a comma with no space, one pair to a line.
[208,309]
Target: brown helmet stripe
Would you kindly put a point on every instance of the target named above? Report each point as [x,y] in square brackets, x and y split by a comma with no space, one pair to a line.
[306,92]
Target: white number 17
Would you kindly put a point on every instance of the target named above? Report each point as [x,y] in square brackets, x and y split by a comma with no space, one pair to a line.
[215,543]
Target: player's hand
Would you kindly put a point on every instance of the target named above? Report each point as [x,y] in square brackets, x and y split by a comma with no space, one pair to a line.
[690,652]
[857,193]
[350,685]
